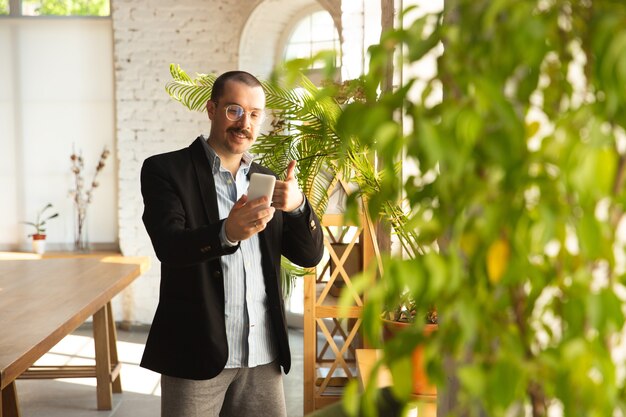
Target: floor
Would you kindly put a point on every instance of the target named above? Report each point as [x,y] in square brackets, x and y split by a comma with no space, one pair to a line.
[141,396]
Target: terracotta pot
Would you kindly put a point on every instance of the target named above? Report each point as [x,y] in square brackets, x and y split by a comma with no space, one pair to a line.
[39,243]
[421,385]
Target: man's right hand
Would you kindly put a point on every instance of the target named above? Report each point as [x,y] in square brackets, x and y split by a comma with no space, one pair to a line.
[247,218]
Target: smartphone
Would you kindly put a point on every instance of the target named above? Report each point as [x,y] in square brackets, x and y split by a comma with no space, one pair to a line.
[261,185]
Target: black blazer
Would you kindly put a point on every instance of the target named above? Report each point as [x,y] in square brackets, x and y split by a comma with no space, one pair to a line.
[188,335]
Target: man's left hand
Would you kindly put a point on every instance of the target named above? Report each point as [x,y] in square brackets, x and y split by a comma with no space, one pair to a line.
[287,195]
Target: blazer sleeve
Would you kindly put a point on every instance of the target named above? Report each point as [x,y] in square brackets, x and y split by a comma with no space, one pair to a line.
[303,239]
[172,216]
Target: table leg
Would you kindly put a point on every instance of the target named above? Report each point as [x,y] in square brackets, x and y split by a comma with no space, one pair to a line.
[117,381]
[8,401]
[103,359]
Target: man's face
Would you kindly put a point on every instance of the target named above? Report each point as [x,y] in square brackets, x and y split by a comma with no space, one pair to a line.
[230,137]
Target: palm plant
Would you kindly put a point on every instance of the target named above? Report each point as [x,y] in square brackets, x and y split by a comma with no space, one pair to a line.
[303,128]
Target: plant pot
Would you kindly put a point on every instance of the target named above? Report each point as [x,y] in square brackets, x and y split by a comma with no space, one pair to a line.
[39,243]
[421,385]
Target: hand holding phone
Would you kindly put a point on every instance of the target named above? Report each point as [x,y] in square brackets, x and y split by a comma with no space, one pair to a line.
[261,185]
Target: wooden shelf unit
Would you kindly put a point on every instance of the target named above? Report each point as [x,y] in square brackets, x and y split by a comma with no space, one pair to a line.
[331,334]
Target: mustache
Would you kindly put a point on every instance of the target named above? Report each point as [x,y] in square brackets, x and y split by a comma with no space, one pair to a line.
[244,132]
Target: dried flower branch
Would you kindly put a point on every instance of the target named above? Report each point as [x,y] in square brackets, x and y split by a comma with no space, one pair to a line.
[83,196]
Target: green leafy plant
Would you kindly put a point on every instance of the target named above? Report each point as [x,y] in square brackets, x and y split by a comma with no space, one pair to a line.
[40,221]
[516,205]
[512,216]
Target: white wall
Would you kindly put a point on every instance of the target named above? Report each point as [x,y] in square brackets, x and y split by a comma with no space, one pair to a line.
[9,228]
[56,91]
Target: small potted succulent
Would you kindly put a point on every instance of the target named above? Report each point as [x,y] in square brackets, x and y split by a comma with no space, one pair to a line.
[401,318]
[39,237]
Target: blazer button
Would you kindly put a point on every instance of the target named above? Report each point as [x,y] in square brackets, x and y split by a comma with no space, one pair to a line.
[313,226]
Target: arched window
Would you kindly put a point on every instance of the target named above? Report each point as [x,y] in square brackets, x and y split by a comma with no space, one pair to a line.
[313,33]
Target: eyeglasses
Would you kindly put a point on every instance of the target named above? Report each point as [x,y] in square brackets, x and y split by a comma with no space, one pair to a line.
[235,112]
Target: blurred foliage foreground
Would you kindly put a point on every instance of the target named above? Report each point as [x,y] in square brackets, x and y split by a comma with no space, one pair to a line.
[518,204]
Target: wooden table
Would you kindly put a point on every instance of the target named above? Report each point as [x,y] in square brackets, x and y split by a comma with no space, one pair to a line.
[42,301]
[426,405]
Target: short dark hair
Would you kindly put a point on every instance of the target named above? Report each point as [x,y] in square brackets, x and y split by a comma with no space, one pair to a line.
[240,76]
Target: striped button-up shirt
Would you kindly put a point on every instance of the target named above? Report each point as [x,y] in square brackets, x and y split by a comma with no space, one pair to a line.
[248,328]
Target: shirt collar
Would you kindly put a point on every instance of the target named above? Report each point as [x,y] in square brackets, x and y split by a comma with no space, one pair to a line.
[246,159]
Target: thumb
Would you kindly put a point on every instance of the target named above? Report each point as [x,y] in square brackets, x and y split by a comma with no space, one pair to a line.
[290,171]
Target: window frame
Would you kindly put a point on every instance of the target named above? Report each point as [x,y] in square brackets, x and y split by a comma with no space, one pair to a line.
[315,74]
[15,11]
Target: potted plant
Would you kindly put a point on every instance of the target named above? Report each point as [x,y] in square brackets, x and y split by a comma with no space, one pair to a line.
[401,317]
[39,237]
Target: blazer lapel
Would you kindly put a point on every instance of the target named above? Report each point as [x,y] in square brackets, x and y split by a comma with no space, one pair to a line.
[206,183]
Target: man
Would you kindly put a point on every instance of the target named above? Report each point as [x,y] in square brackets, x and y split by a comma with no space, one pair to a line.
[219,334]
